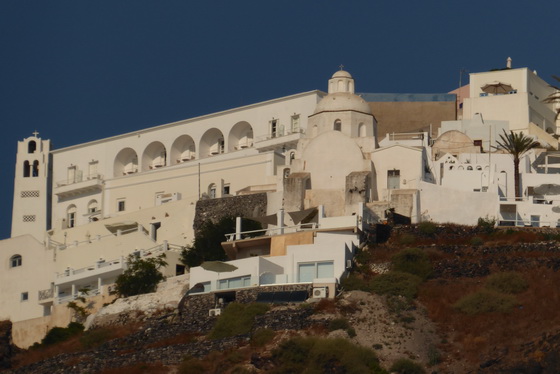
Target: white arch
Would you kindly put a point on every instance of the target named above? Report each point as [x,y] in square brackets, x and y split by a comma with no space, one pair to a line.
[212,143]
[125,163]
[154,156]
[183,149]
[240,136]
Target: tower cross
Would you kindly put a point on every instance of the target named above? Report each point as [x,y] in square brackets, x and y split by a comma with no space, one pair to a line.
[341,66]
[35,133]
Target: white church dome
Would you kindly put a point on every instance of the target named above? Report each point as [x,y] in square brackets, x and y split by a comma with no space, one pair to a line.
[341,95]
[340,101]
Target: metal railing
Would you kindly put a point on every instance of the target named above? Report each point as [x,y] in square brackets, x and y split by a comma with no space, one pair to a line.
[52,244]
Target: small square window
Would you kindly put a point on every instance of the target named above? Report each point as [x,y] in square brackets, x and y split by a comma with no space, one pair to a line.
[24,296]
[121,205]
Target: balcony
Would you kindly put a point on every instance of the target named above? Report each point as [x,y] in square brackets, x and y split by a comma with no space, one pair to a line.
[278,139]
[46,296]
[101,269]
[79,186]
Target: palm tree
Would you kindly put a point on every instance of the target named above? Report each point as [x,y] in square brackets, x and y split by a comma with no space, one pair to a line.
[554,97]
[516,145]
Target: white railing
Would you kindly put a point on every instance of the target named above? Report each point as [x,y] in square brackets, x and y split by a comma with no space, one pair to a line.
[150,252]
[527,223]
[67,298]
[52,244]
[274,231]
[77,179]
[278,134]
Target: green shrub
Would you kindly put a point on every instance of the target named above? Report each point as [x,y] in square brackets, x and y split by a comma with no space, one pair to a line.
[406,366]
[262,337]
[141,276]
[316,355]
[399,304]
[407,239]
[94,338]
[355,282]
[434,357]
[237,319]
[507,282]
[395,283]
[413,261]
[338,324]
[60,334]
[476,241]
[486,224]
[485,301]
[191,365]
[427,228]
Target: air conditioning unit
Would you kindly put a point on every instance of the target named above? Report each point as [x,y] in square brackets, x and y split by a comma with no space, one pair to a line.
[320,292]
[215,312]
[167,198]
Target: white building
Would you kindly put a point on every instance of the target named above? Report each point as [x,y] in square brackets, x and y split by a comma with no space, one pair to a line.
[81,210]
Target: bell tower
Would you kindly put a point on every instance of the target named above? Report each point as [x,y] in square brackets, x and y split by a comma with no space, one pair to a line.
[31,206]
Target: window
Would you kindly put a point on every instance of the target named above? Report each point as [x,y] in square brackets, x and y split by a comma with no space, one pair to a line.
[26,169]
[35,172]
[311,270]
[92,206]
[24,296]
[274,128]
[292,157]
[237,282]
[121,206]
[286,173]
[393,179]
[295,123]
[15,261]
[31,147]
[337,125]
[71,216]
[212,191]
[92,169]
[226,189]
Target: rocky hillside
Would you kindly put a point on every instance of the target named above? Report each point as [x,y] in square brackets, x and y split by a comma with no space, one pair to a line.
[480,301]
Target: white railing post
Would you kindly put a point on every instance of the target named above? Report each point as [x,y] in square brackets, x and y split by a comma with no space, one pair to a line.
[280,221]
[237,228]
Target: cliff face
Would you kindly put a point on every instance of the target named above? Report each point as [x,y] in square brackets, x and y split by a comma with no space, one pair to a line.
[430,330]
[7,349]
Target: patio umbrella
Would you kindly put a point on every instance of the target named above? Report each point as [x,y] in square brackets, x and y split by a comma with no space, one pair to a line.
[218,266]
[497,88]
[547,189]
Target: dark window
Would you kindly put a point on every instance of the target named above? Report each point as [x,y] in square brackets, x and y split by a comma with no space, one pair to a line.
[15,261]
[31,147]
[121,205]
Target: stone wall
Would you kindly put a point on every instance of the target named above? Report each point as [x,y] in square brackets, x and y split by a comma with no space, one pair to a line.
[193,309]
[246,206]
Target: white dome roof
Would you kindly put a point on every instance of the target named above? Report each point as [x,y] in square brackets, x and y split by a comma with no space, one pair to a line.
[340,101]
[341,74]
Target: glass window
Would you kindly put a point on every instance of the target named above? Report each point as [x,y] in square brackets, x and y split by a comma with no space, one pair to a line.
[15,261]
[306,272]
[325,269]
[311,270]
[121,205]
[24,296]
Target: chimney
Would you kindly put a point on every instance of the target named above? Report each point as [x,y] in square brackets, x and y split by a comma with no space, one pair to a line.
[508,64]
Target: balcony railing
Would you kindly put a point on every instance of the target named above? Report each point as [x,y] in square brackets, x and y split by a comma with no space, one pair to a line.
[78,178]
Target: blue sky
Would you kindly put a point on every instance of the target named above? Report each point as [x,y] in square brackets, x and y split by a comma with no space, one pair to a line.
[83,70]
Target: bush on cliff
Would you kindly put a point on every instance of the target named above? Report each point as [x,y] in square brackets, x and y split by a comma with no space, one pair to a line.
[485,301]
[396,283]
[318,355]
[142,276]
[413,261]
[507,282]
[237,319]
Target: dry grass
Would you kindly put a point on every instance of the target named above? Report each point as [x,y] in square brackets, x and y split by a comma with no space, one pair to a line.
[156,368]
[74,344]
[474,335]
